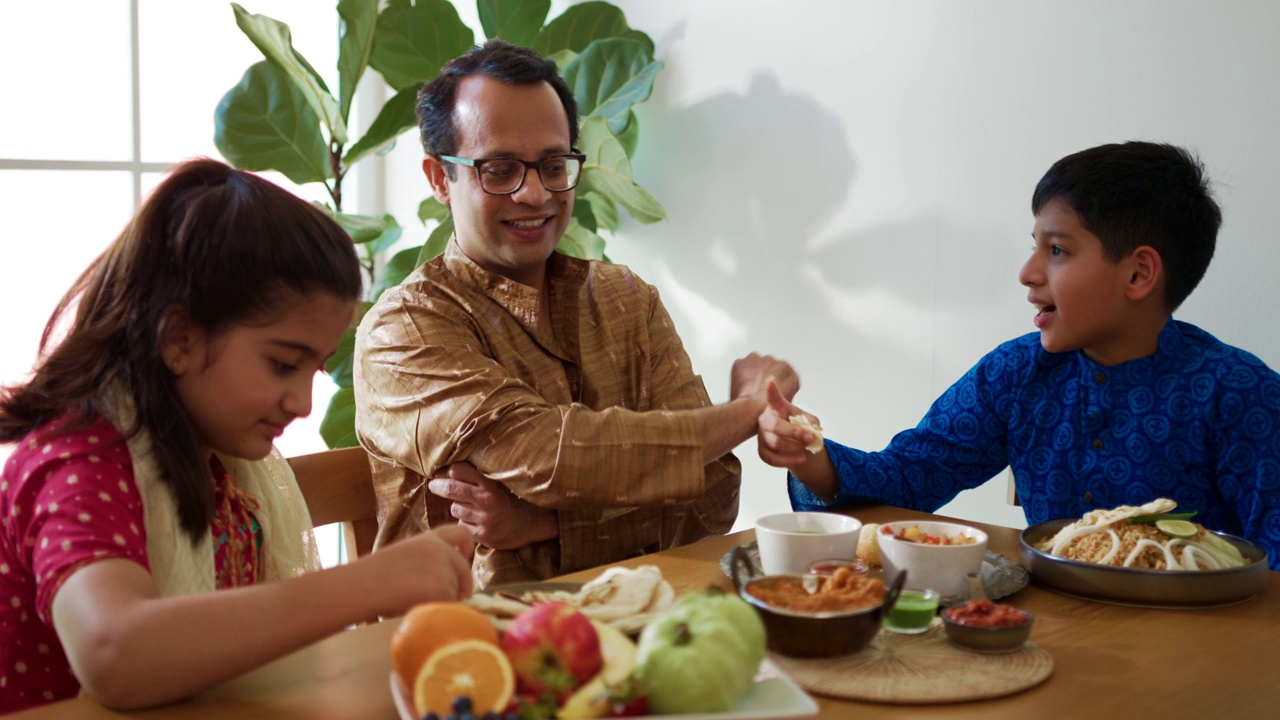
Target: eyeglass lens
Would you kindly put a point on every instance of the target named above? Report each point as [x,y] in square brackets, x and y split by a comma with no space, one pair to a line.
[501,176]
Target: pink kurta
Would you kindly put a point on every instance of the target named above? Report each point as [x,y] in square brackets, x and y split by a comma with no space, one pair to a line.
[69,499]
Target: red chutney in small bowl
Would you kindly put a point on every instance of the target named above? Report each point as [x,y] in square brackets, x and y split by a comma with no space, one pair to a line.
[984,613]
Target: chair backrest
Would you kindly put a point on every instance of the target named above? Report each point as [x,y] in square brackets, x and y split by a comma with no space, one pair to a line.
[338,487]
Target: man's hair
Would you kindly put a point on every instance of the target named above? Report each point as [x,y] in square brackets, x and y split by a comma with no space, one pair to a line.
[496,59]
[1141,193]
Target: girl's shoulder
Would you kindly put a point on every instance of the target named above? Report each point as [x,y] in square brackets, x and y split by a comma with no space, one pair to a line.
[67,440]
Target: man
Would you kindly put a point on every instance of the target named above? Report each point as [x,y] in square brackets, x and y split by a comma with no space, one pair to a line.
[548,399]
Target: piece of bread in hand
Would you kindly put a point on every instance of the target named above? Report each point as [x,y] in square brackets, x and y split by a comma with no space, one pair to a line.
[869,545]
[805,423]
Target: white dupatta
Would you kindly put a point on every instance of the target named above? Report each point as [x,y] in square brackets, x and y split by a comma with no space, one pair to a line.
[180,568]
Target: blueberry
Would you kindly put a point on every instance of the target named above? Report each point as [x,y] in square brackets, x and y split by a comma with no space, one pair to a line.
[431,716]
[462,705]
[491,715]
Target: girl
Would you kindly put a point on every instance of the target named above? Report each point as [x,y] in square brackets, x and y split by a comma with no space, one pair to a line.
[144,474]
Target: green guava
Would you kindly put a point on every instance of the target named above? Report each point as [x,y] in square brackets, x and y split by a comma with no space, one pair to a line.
[702,655]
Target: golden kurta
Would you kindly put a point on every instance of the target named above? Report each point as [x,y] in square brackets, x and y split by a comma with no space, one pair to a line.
[452,367]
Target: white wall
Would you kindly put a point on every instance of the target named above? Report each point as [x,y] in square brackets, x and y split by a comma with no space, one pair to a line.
[849,181]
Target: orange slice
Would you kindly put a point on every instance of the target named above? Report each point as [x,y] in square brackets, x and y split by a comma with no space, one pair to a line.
[429,627]
[474,668]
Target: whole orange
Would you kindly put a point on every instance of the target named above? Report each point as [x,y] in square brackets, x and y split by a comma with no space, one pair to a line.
[430,626]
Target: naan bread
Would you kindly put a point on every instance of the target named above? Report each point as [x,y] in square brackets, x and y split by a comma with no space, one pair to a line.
[804,423]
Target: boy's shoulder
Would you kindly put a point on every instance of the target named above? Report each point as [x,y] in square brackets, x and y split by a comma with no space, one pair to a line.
[1201,351]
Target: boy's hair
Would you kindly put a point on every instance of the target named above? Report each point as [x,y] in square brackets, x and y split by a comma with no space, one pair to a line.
[496,59]
[223,245]
[1141,193]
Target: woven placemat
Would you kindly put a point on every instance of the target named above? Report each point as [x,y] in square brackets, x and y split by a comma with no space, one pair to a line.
[920,669]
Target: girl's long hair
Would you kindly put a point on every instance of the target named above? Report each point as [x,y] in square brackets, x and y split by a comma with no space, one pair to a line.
[223,245]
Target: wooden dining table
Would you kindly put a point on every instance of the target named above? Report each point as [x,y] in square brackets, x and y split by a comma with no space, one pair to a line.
[1109,661]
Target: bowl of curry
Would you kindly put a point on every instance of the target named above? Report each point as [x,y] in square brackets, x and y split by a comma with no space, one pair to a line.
[809,615]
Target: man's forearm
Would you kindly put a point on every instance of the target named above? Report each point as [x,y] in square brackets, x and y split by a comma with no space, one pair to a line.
[725,427]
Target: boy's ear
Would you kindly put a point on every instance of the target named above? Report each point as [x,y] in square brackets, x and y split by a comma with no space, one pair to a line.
[1146,273]
[433,167]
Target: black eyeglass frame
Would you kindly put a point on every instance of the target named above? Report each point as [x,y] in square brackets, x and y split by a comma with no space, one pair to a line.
[478,164]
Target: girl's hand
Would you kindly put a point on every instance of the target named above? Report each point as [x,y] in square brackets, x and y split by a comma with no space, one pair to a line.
[781,443]
[434,565]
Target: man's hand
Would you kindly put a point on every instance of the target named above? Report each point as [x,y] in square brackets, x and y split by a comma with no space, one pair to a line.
[752,373]
[495,517]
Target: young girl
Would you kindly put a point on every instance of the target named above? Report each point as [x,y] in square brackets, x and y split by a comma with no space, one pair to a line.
[144,475]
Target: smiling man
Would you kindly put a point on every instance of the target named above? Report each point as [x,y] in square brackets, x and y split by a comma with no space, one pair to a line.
[542,401]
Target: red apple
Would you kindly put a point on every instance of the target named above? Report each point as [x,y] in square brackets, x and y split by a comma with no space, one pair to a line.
[553,648]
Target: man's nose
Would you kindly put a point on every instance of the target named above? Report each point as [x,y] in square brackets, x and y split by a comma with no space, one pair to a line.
[532,191]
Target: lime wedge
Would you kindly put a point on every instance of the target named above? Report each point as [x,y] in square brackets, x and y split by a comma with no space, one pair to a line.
[1176,528]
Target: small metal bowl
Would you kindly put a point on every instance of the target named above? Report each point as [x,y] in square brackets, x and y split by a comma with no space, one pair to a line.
[988,639]
[812,634]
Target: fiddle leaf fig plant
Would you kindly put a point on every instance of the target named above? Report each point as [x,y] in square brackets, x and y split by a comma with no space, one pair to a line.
[282,116]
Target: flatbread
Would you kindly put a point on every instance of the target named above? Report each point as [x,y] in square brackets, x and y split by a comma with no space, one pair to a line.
[804,423]
[626,598]
[869,545]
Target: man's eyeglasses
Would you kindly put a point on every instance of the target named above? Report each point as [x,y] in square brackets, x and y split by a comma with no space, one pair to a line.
[503,176]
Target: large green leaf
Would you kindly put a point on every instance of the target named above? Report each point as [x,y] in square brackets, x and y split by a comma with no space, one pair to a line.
[609,77]
[608,172]
[265,123]
[436,242]
[359,17]
[396,116]
[630,135]
[276,43]
[641,37]
[603,212]
[395,271]
[361,228]
[340,363]
[413,41]
[576,27]
[338,428]
[580,242]
[516,21]
[432,209]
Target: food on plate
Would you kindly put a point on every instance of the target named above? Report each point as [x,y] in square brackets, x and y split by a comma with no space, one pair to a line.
[474,669]
[702,655]
[916,535]
[553,648]
[429,627]
[596,697]
[804,422]
[829,567]
[985,613]
[626,598]
[841,592]
[1147,537]
[868,547]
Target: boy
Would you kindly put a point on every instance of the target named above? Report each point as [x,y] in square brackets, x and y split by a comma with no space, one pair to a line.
[1112,402]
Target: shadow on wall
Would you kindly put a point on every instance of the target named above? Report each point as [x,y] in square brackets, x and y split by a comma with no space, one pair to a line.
[748,182]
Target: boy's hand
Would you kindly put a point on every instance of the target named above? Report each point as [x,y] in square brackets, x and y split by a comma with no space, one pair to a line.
[781,443]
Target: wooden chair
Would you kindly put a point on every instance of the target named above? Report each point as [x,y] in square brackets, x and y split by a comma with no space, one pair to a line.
[338,487]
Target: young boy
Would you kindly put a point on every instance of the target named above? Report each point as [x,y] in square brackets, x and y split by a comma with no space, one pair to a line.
[1112,402]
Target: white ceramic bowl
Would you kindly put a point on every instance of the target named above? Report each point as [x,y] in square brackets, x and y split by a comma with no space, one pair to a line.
[932,567]
[789,542]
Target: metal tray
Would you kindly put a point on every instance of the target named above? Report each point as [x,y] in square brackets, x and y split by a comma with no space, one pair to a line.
[1144,588]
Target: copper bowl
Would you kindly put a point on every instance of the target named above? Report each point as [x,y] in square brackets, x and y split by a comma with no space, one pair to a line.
[811,634]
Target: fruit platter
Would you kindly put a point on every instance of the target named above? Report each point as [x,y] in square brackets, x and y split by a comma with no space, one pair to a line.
[556,651]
